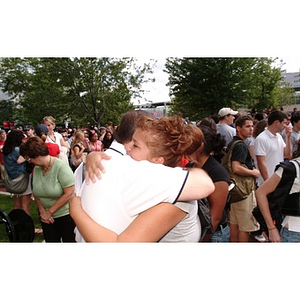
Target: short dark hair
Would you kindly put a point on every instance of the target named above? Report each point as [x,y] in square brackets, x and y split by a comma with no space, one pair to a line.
[295,117]
[128,124]
[241,120]
[276,115]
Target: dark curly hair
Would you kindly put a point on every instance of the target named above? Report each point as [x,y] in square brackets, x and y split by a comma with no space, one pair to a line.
[213,142]
[13,139]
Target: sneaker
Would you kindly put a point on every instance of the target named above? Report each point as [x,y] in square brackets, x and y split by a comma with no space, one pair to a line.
[261,238]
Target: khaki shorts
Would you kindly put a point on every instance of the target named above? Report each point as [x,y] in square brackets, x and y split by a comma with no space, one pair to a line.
[241,214]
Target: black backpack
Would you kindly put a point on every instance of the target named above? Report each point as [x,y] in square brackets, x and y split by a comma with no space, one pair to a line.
[205,217]
[277,198]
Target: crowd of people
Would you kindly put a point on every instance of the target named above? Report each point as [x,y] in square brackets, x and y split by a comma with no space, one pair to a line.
[146,179]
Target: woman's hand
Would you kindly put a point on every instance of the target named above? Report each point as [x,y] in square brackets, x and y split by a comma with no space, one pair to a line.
[93,167]
[46,217]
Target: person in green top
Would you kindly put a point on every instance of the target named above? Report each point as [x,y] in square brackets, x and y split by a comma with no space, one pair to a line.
[53,186]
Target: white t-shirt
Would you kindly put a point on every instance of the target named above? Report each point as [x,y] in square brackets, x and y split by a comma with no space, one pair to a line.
[128,188]
[189,228]
[226,131]
[63,150]
[272,148]
[58,137]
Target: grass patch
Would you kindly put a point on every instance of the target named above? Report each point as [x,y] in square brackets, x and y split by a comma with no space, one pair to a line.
[6,205]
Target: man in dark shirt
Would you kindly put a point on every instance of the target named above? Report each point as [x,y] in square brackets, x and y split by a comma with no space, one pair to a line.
[241,219]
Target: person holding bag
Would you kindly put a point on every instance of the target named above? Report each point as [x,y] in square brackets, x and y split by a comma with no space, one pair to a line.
[241,220]
[17,179]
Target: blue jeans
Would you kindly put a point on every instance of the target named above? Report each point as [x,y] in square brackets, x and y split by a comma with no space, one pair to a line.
[288,236]
[221,236]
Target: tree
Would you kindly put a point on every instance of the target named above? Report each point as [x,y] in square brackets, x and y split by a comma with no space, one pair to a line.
[201,86]
[89,90]
[6,111]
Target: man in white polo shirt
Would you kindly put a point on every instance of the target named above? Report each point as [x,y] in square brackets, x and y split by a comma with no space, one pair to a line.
[269,146]
[130,187]
[226,118]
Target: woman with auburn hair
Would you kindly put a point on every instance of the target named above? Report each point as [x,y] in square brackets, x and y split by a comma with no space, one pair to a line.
[53,186]
[161,141]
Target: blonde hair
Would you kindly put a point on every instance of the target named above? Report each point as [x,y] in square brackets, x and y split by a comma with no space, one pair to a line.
[79,134]
[170,138]
[49,119]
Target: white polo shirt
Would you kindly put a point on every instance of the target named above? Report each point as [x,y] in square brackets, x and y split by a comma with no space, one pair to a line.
[272,148]
[128,188]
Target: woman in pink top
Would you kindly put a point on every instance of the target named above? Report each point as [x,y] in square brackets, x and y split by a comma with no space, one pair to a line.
[94,143]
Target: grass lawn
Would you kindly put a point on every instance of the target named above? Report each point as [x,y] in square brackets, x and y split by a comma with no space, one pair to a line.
[6,205]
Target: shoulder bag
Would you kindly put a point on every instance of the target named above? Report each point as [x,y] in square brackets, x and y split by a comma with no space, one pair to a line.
[243,185]
[17,185]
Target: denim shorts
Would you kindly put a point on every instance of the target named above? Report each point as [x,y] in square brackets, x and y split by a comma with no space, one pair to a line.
[221,236]
[288,236]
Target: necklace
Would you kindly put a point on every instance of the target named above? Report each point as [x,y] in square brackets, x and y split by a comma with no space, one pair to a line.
[52,139]
[48,167]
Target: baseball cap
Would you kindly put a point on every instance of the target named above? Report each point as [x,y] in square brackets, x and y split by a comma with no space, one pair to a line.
[28,128]
[41,128]
[227,111]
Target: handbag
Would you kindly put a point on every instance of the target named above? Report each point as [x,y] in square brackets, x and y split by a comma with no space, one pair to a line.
[17,185]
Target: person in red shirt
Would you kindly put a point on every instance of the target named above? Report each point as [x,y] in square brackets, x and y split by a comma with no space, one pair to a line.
[41,131]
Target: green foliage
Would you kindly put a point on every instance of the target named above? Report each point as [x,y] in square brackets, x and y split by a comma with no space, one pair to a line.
[6,111]
[89,90]
[201,86]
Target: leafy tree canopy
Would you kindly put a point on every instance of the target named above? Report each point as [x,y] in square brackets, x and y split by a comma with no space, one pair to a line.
[199,87]
[87,90]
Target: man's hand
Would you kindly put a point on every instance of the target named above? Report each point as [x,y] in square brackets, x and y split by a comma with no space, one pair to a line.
[288,131]
[93,167]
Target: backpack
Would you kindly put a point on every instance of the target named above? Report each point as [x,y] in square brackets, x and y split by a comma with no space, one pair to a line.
[205,217]
[244,185]
[277,199]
